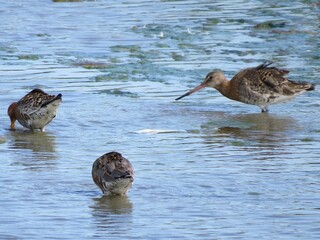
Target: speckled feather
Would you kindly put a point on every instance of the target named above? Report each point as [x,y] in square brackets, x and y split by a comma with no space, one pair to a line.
[35,110]
[265,84]
[35,100]
[113,173]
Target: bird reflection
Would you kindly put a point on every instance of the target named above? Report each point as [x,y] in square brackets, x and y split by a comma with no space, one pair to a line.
[112,213]
[266,130]
[115,204]
[37,142]
[267,122]
[33,149]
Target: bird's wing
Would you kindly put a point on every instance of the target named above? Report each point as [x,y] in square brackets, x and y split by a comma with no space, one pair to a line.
[264,80]
[110,168]
[123,168]
[35,100]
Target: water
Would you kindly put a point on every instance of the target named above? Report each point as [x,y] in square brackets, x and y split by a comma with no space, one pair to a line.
[206,167]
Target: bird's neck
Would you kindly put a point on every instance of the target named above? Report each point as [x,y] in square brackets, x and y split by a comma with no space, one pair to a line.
[225,88]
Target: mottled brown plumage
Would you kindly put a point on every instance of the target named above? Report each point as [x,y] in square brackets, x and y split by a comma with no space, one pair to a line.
[261,86]
[35,110]
[113,174]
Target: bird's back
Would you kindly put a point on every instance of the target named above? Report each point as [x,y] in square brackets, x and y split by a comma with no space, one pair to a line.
[265,85]
[36,109]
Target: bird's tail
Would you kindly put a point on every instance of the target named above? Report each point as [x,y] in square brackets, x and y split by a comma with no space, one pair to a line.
[311,87]
[303,86]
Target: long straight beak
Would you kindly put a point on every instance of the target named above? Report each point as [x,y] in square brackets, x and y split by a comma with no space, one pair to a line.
[202,85]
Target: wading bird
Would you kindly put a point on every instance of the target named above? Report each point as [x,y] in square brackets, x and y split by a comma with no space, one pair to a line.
[35,110]
[262,86]
[113,174]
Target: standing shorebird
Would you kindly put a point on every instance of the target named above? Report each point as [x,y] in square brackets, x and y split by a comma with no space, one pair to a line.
[113,174]
[261,86]
[35,110]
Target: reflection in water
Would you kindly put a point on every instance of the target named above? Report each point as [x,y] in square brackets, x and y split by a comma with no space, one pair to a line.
[112,213]
[262,130]
[113,204]
[33,149]
[37,141]
[267,122]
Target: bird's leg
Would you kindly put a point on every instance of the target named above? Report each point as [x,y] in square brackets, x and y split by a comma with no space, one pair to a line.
[12,125]
[264,109]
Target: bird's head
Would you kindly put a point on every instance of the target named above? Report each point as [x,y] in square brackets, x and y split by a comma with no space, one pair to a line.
[212,79]
[12,114]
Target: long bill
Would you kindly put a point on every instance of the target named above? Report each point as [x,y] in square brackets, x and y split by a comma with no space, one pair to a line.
[202,85]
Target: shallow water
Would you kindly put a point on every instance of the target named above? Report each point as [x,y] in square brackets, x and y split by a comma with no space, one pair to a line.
[206,167]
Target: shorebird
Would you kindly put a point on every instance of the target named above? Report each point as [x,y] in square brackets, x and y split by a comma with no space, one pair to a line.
[113,174]
[262,86]
[35,110]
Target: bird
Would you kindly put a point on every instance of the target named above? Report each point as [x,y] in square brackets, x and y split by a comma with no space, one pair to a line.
[262,86]
[35,110]
[113,174]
